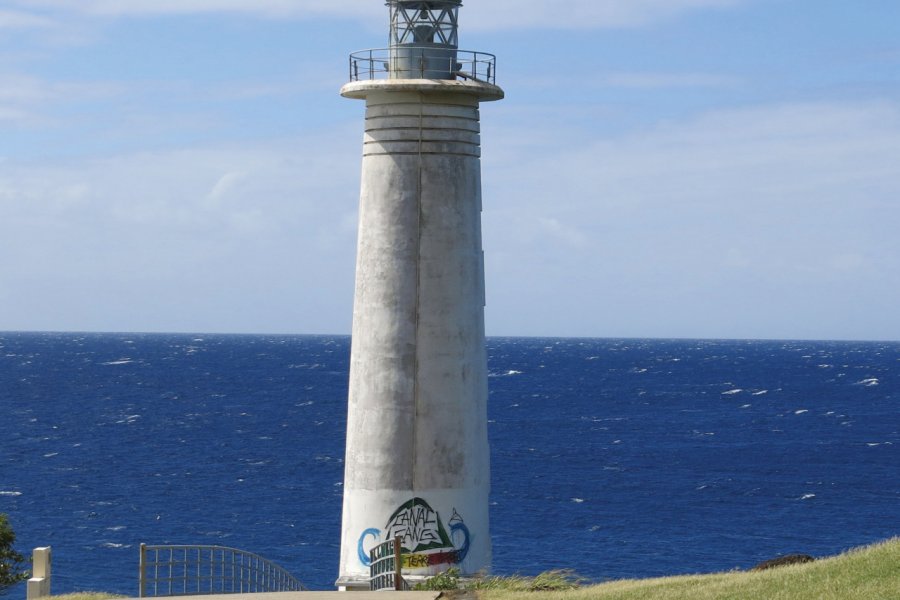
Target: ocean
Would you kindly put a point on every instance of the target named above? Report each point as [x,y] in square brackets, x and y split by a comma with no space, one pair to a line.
[615,458]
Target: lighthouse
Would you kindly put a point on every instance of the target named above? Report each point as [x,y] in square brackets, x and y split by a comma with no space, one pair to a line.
[417,461]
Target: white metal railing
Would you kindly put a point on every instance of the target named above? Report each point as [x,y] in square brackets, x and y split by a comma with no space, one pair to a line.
[194,570]
[385,567]
[383,63]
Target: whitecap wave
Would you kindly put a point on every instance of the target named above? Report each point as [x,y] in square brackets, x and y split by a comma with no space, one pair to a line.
[807,496]
[869,382]
[801,411]
[9,493]
[121,361]
[732,392]
[508,373]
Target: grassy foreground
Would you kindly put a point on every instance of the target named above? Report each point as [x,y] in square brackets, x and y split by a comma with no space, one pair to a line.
[868,573]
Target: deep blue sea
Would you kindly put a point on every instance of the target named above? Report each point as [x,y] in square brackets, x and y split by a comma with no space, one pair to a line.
[616,458]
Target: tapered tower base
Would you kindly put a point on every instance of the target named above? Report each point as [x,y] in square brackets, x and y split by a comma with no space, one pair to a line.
[417,462]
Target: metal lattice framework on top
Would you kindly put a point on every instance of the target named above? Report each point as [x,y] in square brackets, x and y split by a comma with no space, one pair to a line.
[430,22]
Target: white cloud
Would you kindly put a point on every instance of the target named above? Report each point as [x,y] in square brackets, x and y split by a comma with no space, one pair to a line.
[483,16]
[670,80]
[28,100]
[738,220]
[731,223]
[24,89]
[263,8]
[12,19]
[580,14]
[246,238]
[227,184]
[11,114]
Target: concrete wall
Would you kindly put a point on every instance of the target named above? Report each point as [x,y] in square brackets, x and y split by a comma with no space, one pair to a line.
[39,584]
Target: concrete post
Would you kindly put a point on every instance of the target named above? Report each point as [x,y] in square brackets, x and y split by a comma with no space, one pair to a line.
[39,584]
[417,461]
[142,572]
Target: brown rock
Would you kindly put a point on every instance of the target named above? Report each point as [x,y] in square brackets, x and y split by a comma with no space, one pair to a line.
[783,561]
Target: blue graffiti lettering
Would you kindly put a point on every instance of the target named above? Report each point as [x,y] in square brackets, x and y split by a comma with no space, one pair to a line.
[463,549]
[360,549]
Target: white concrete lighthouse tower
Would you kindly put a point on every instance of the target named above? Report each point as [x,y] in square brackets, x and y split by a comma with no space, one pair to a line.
[417,463]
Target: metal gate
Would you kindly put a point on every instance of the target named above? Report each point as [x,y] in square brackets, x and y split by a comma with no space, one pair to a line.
[384,570]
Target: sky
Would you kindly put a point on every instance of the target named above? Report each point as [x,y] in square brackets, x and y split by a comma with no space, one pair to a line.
[659,168]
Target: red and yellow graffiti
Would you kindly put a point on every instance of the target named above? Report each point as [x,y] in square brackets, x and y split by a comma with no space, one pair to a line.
[418,561]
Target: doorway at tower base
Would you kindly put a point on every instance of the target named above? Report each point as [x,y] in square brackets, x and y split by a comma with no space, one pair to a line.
[437,530]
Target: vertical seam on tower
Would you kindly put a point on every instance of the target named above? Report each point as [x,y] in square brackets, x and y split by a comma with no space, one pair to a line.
[415,441]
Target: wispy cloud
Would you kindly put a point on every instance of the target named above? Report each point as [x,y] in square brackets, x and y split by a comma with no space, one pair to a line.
[582,14]
[13,114]
[792,200]
[262,8]
[27,89]
[670,80]
[29,99]
[125,235]
[13,19]
[484,16]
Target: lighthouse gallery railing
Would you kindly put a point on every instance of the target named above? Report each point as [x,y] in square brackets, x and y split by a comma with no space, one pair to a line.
[195,570]
[466,64]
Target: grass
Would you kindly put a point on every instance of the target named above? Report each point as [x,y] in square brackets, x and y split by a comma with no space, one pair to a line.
[548,580]
[869,573]
[558,580]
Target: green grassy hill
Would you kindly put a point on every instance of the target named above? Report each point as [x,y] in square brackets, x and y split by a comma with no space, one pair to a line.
[869,573]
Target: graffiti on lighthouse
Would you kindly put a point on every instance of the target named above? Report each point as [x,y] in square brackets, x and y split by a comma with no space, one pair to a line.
[424,540]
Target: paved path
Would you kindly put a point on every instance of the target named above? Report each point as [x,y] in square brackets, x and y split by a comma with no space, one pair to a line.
[383,595]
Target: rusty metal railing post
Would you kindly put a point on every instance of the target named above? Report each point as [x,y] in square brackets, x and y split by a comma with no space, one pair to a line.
[398,565]
[142,566]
